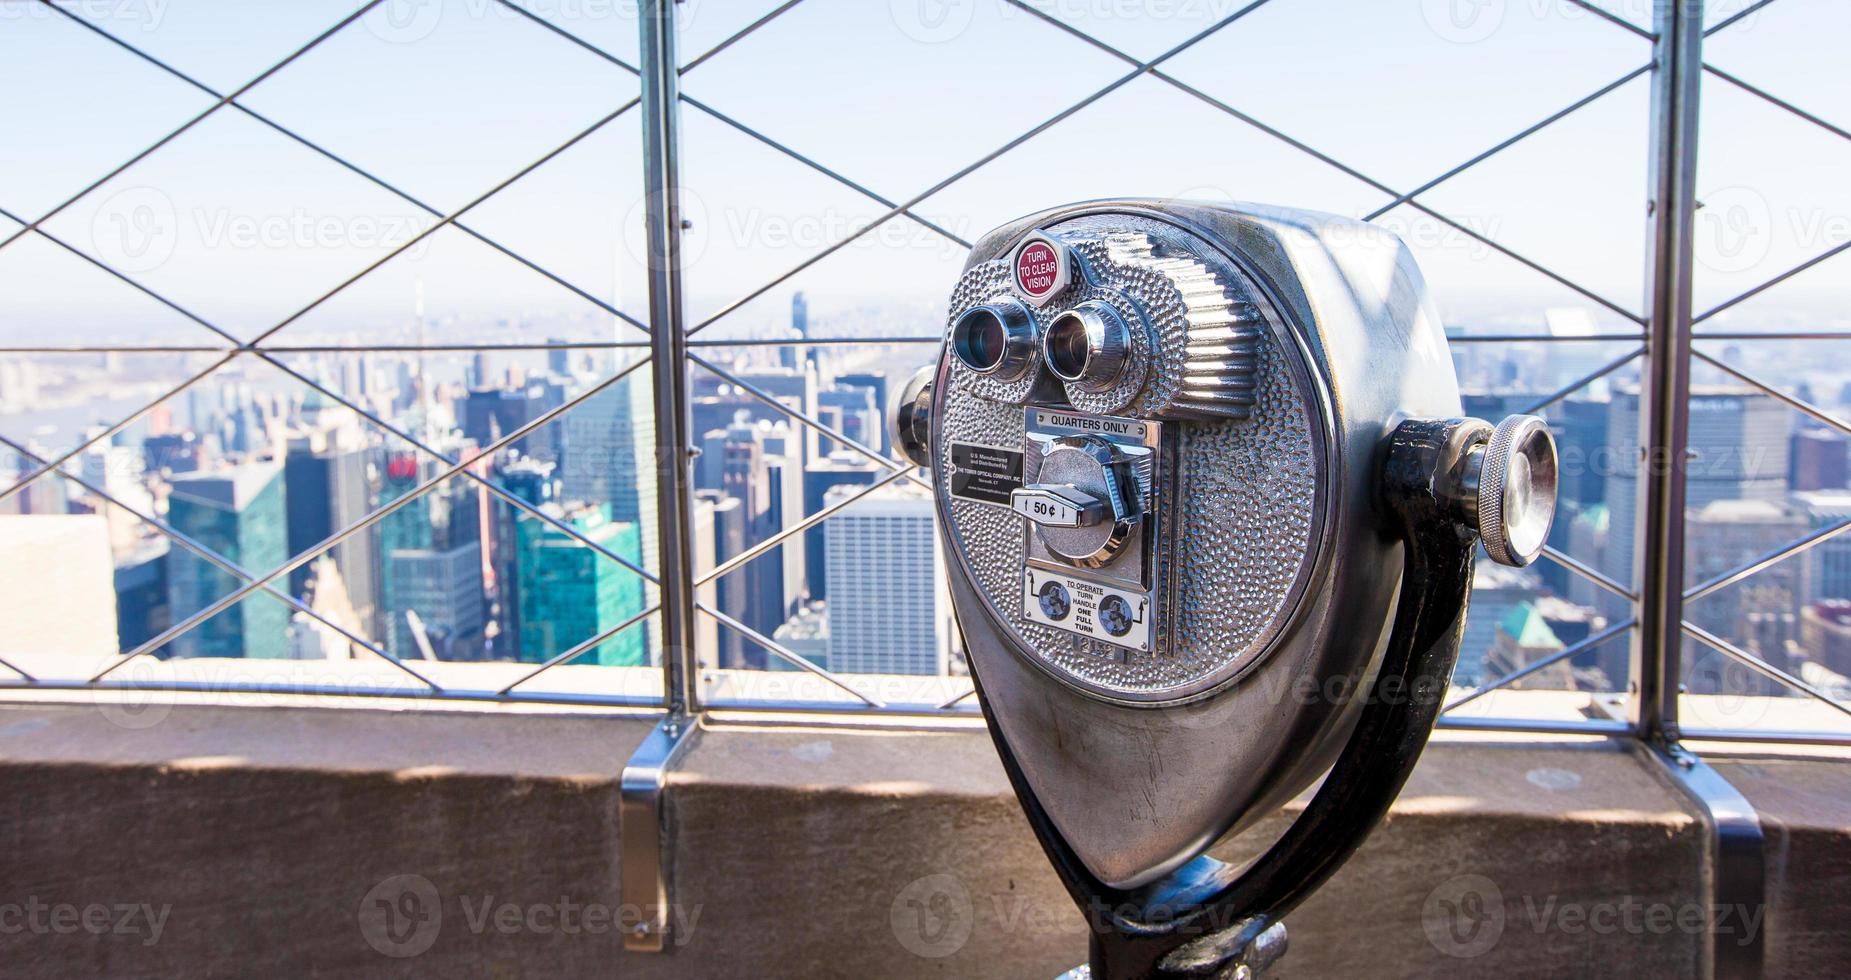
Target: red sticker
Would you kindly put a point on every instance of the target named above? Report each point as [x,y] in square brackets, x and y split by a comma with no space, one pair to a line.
[1037,269]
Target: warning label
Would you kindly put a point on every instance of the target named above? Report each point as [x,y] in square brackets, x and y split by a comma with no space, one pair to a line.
[985,474]
[1087,608]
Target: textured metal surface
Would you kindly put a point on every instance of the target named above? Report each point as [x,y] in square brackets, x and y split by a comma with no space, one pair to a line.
[1247,487]
[1142,783]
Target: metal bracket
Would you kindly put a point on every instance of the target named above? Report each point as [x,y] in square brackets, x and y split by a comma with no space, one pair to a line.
[1738,870]
[643,837]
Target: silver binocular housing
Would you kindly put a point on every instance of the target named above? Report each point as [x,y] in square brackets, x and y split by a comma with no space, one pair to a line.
[1156,430]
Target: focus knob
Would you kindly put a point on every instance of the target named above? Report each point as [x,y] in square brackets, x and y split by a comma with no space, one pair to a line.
[1516,490]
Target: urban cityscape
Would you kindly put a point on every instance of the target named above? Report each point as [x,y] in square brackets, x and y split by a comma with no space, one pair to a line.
[520,555]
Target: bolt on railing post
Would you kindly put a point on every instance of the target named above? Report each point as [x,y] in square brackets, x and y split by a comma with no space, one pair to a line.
[1665,395]
[661,94]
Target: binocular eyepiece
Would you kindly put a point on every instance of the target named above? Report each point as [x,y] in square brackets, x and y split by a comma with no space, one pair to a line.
[1188,457]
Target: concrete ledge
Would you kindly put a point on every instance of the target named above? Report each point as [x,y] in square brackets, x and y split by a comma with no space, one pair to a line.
[271,837]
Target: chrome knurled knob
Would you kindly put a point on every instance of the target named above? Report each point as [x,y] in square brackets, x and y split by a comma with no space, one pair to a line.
[1516,490]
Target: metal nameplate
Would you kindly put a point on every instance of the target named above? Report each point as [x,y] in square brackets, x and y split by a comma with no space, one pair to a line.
[985,474]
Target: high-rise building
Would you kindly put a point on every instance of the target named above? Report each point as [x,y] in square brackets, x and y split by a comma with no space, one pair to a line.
[141,594]
[1819,459]
[730,593]
[876,383]
[794,387]
[1825,634]
[852,411]
[800,330]
[839,469]
[240,515]
[533,482]
[1757,613]
[56,575]
[327,488]
[443,588]
[492,413]
[172,452]
[608,453]
[1825,569]
[1738,445]
[888,609]
[747,475]
[569,593]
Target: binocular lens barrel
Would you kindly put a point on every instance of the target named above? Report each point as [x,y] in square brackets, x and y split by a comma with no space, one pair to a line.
[997,338]
[1087,346]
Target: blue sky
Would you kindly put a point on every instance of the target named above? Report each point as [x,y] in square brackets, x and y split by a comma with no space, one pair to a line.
[244,227]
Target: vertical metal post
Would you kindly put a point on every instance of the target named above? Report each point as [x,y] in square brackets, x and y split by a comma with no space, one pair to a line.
[661,96]
[1665,397]
[644,829]
[1736,872]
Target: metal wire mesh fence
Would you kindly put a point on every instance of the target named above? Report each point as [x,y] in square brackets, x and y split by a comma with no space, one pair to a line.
[675,556]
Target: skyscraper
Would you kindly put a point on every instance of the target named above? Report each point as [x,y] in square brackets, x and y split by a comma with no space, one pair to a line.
[240,515]
[325,489]
[1759,612]
[491,413]
[1826,568]
[608,452]
[1820,459]
[569,593]
[1738,451]
[800,330]
[888,610]
[443,588]
[843,468]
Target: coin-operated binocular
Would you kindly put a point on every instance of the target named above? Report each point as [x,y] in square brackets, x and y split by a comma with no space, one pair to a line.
[1209,512]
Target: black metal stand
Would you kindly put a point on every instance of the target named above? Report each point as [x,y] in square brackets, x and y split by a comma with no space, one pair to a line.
[1206,919]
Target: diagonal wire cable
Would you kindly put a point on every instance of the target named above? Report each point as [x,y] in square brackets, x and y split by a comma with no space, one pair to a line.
[738,36]
[134,284]
[1580,646]
[1760,666]
[189,124]
[589,47]
[112,430]
[1779,102]
[447,219]
[784,534]
[578,649]
[375,517]
[265,355]
[1576,566]
[1583,381]
[189,543]
[785,653]
[954,701]
[742,127]
[1754,565]
[361,171]
[1614,18]
[1358,175]
[1797,404]
[1771,283]
[1512,140]
[851,184]
[470,474]
[1747,11]
[1142,69]
[799,415]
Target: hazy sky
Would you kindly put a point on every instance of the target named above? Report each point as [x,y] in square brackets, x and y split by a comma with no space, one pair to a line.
[244,226]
